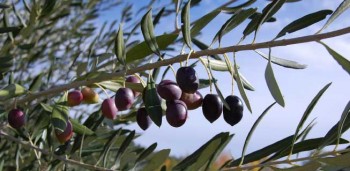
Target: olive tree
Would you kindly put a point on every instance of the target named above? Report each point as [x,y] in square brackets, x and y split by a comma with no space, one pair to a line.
[70,85]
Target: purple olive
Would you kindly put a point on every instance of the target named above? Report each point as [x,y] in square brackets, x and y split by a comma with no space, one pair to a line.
[109,109]
[124,98]
[233,115]
[187,79]
[212,107]
[169,90]
[133,79]
[193,101]
[16,118]
[176,112]
[74,98]
[142,118]
[66,134]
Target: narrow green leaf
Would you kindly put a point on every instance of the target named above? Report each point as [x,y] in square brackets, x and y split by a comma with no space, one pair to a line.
[308,111]
[119,46]
[240,87]
[12,90]
[223,144]
[343,62]
[306,145]
[268,12]
[185,27]
[341,8]
[282,62]
[238,18]
[340,160]
[203,83]
[153,103]
[312,165]
[157,160]
[333,133]
[46,107]
[272,85]
[148,32]
[111,140]
[252,25]
[142,50]
[158,16]
[235,8]
[216,65]
[210,146]
[199,24]
[218,91]
[146,152]
[304,22]
[256,123]
[10,29]
[36,83]
[48,7]
[59,117]
[79,128]
[203,46]
[264,152]
[125,145]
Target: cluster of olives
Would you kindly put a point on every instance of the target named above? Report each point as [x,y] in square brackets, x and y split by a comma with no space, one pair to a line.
[180,96]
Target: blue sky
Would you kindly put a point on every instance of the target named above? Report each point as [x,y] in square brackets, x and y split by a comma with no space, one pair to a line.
[298,86]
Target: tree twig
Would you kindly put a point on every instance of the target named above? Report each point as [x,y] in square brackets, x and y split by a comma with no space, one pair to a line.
[45,152]
[310,38]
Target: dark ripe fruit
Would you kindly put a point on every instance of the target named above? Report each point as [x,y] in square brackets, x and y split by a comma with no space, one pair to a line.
[109,109]
[124,98]
[142,118]
[16,118]
[212,107]
[193,101]
[89,95]
[74,98]
[66,134]
[176,113]
[133,79]
[186,78]
[169,90]
[235,114]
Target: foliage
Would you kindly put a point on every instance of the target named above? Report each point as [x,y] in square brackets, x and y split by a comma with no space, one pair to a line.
[50,47]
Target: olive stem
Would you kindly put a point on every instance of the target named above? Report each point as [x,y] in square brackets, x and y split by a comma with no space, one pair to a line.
[310,38]
[209,75]
[104,90]
[45,152]
[188,56]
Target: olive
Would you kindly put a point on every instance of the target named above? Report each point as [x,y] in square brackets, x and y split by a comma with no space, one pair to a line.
[233,115]
[212,107]
[169,90]
[176,112]
[142,118]
[124,98]
[187,79]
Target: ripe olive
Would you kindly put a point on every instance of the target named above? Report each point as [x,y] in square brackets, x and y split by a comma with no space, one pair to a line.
[124,98]
[193,101]
[212,107]
[233,115]
[66,134]
[133,79]
[74,98]
[142,118]
[169,90]
[16,118]
[176,112]
[109,109]
[187,79]
[89,95]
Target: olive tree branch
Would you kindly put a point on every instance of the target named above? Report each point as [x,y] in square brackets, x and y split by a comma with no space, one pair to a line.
[110,76]
[45,152]
[288,161]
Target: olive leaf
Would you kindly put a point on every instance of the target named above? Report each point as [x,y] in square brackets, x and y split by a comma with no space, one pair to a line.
[272,84]
[185,27]
[240,86]
[12,90]
[152,102]
[203,46]
[307,113]
[256,123]
[199,24]
[304,22]
[148,32]
[119,46]
[343,62]
[341,8]
[282,62]
[238,7]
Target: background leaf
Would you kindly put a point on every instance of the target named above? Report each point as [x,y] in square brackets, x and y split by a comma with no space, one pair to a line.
[199,24]
[282,62]
[304,22]
[148,32]
[343,62]
[119,46]
[272,85]
[341,8]
[185,27]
